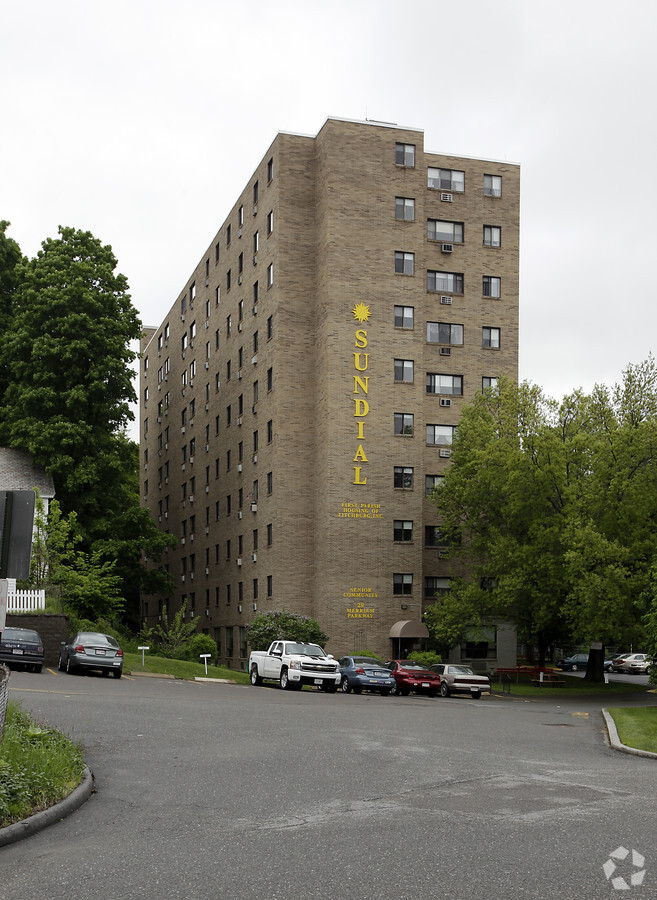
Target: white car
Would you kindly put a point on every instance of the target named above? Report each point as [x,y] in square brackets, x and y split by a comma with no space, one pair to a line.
[632,664]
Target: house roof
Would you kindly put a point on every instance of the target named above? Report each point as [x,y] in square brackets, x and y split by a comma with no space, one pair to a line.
[18,473]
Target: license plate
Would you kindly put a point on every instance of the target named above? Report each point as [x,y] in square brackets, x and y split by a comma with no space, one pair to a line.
[17,652]
[425,684]
[375,681]
[474,688]
[318,681]
[100,653]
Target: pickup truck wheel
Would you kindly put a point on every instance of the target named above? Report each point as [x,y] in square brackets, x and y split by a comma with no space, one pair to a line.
[444,690]
[331,687]
[255,678]
[344,685]
[284,680]
[476,695]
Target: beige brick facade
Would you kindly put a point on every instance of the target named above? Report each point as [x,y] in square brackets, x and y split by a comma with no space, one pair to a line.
[308,504]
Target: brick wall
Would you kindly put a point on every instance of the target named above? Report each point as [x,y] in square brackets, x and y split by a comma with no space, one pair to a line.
[53,629]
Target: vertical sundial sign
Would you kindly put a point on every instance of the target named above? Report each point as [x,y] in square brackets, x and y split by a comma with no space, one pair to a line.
[361,387]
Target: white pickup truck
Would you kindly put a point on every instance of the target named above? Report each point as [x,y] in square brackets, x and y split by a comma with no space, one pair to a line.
[294,664]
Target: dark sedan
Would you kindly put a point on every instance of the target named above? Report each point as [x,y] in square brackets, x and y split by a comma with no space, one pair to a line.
[413,676]
[90,650]
[574,662]
[362,673]
[22,647]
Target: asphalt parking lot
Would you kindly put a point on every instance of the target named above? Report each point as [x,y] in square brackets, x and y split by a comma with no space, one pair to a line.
[241,792]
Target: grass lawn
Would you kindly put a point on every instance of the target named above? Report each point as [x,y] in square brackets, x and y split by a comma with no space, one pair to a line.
[573,687]
[179,668]
[38,766]
[637,727]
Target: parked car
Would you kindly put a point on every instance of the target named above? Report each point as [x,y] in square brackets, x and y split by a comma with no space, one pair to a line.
[362,673]
[608,663]
[575,662]
[91,650]
[632,664]
[460,679]
[413,676]
[21,647]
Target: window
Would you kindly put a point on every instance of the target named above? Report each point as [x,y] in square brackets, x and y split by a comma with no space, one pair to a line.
[405,208]
[490,337]
[229,636]
[488,381]
[229,321]
[431,483]
[183,342]
[270,170]
[227,235]
[228,411]
[216,252]
[217,295]
[255,392]
[445,282]
[404,263]
[270,275]
[405,154]
[438,230]
[240,217]
[435,586]
[270,585]
[255,194]
[229,278]
[440,435]
[446,180]
[240,264]
[492,236]
[270,482]
[491,286]
[402,583]
[270,379]
[256,242]
[270,534]
[403,423]
[451,385]
[445,333]
[255,341]
[270,327]
[404,370]
[270,431]
[404,316]
[403,477]
[492,185]
[270,221]
[240,311]
[403,531]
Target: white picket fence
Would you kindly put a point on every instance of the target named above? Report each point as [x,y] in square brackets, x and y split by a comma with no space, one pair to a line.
[25,601]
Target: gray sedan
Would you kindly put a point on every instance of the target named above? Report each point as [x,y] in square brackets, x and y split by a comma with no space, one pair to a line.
[91,650]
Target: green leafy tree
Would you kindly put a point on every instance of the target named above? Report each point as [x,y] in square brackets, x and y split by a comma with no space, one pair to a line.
[174,635]
[557,505]
[10,258]
[281,624]
[68,352]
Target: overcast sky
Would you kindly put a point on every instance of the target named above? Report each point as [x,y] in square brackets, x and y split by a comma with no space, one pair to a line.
[141,121]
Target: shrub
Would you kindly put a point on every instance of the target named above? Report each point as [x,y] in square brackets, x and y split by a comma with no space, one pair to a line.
[281,624]
[198,644]
[426,657]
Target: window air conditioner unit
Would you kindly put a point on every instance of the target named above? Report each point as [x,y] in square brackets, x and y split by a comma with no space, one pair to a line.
[254,360]
[207,407]
[207,323]
[255,210]
[207,571]
[182,430]
[191,459]
[255,260]
[191,498]
[446,198]
[239,373]
[159,518]
[255,309]
[239,609]
[446,301]
[166,515]
[254,557]
[254,458]
[255,606]
[182,577]
[447,248]
[239,513]
[159,418]
[191,578]
[445,453]
[239,467]
[207,529]
[182,540]
[445,402]
[239,420]
[183,467]
[207,448]
[207,365]
[239,232]
[239,560]
[239,279]
[254,507]
[445,351]
[239,327]
[207,488]
[166,480]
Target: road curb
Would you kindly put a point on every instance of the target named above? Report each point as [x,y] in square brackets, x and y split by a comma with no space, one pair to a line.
[616,743]
[19,830]
[215,680]
[152,675]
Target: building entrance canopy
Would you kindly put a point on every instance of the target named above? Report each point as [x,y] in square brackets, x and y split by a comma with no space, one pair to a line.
[409,628]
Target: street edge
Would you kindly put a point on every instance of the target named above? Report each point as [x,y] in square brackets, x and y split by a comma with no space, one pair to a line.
[19,830]
[616,743]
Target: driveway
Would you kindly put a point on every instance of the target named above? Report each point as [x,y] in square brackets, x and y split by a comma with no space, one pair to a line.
[223,791]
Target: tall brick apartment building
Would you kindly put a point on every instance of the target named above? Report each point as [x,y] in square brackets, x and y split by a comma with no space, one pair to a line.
[298,400]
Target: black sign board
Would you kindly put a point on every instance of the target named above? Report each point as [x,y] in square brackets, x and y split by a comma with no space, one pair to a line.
[16,525]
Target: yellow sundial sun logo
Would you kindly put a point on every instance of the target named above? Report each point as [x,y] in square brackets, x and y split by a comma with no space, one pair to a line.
[361,312]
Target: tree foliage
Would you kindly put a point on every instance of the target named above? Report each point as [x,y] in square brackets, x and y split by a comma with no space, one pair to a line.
[281,624]
[557,506]
[173,635]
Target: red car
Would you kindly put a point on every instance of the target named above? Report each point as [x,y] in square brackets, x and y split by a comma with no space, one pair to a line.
[413,676]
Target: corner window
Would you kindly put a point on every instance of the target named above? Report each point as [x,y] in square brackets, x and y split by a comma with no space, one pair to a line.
[403,423]
[491,286]
[492,185]
[492,236]
[404,263]
[405,208]
[404,316]
[490,337]
[404,370]
[405,154]
[403,477]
